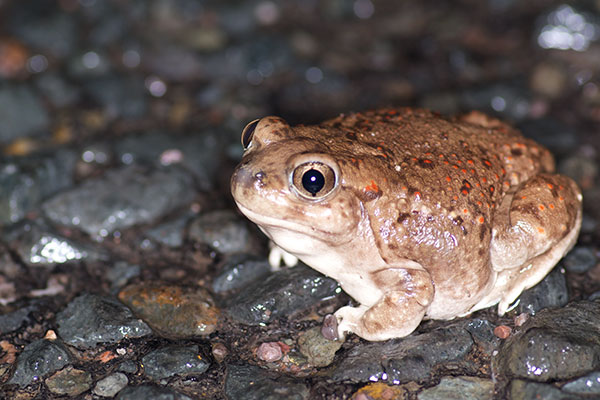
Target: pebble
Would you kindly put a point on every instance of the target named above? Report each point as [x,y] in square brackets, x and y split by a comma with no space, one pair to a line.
[319,351]
[27,181]
[550,292]
[555,344]
[91,319]
[586,385]
[247,382]
[238,271]
[460,388]
[269,352]
[111,385]
[173,311]
[145,392]
[403,360]
[580,260]
[120,199]
[381,391]
[173,360]
[39,359]
[21,113]
[69,381]
[223,230]
[283,293]
[502,331]
[39,245]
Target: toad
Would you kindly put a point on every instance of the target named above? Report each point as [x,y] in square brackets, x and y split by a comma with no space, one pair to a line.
[416,215]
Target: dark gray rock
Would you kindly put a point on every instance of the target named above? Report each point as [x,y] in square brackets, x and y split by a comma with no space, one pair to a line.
[223,230]
[27,181]
[580,260]
[12,321]
[39,245]
[586,385]
[38,359]
[120,199]
[283,293]
[550,292]
[91,319]
[524,390]
[170,233]
[119,96]
[247,382]
[145,392]
[239,271]
[57,90]
[21,113]
[460,388]
[555,344]
[482,332]
[174,360]
[404,360]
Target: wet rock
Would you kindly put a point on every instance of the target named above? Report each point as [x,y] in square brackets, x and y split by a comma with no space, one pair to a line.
[238,271]
[170,233]
[120,199]
[555,344]
[550,292]
[111,385]
[222,230]
[27,181]
[173,311]
[381,391]
[283,293]
[21,113]
[38,245]
[404,360]
[580,260]
[38,359]
[12,321]
[246,382]
[128,366]
[174,360]
[318,350]
[460,388]
[120,273]
[558,137]
[57,90]
[524,390]
[482,332]
[69,381]
[144,392]
[119,96]
[269,352]
[507,99]
[199,153]
[91,319]
[586,385]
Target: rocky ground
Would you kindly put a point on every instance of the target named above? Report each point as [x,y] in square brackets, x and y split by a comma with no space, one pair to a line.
[125,270]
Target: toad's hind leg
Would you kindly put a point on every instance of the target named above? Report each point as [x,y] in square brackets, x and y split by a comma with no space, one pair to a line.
[533,229]
[406,296]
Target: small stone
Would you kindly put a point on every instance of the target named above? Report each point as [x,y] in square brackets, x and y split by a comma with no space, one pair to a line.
[460,388]
[173,311]
[502,331]
[145,392]
[586,385]
[174,360]
[38,359]
[580,260]
[238,271]
[219,352]
[380,391]
[269,352]
[111,385]
[120,199]
[318,350]
[222,230]
[521,319]
[247,382]
[69,381]
[550,292]
[91,319]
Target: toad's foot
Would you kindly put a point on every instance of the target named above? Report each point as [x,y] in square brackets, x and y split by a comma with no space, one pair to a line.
[277,255]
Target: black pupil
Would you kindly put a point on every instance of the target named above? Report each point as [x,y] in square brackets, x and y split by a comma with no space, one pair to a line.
[313,181]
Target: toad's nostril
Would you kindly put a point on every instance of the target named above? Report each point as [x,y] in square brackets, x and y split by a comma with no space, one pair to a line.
[260,175]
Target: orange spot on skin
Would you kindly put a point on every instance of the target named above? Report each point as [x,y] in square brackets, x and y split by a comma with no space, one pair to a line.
[467,185]
[541,207]
[481,220]
[372,187]
[426,161]
[486,162]
[561,198]
[418,194]
[465,192]
[470,162]
[477,184]
[404,188]
[484,179]
[458,162]
[503,171]
[464,171]
[479,203]
[550,186]
[551,206]
[448,179]
[523,197]
[455,197]
[455,166]
[446,162]
[441,156]
[465,211]
[541,230]
[492,189]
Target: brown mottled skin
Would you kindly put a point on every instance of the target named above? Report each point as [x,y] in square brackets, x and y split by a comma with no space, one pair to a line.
[421,215]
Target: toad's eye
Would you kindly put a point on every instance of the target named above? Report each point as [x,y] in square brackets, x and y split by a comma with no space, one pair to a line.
[313,180]
[248,132]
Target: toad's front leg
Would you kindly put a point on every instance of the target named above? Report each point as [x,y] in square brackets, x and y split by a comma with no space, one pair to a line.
[407,294]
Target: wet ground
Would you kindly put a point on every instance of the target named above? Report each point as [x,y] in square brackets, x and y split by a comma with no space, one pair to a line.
[125,270]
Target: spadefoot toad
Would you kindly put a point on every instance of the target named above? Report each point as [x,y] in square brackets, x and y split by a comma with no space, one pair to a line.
[414,214]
